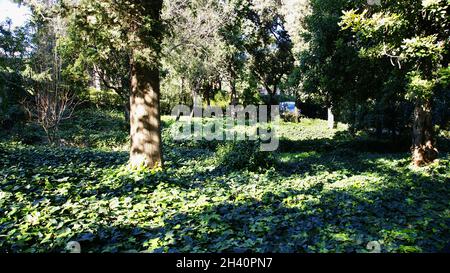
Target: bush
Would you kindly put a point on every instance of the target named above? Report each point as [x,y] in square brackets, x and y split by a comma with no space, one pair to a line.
[103,97]
[30,134]
[14,115]
[240,155]
[290,117]
[96,128]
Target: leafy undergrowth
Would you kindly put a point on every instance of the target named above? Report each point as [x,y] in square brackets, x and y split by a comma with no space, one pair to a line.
[302,199]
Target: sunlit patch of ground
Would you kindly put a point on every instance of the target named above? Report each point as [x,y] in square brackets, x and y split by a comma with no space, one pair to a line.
[317,195]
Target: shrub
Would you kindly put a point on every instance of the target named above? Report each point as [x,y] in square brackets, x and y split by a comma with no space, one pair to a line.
[14,115]
[240,155]
[291,117]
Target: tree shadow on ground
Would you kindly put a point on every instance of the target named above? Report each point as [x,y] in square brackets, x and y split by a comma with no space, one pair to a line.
[343,140]
[408,212]
[37,156]
[310,220]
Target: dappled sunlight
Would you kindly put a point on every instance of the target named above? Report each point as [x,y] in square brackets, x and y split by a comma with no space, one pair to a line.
[309,129]
[367,182]
[253,126]
[222,197]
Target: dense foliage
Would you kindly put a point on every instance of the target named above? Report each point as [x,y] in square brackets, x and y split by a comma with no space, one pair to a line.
[413,35]
[323,194]
[86,154]
[13,43]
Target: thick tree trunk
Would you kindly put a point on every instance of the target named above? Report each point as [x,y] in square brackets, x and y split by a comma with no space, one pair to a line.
[332,124]
[145,120]
[423,150]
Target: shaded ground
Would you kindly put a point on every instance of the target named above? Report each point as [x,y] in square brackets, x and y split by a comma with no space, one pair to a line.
[320,193]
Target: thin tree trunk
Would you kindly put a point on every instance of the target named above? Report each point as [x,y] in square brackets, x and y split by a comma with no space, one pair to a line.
[233,93]
[208,94]
[182,90]
[272,94]
[196,101]
[379,124]
[423,150]
[332,124]
[126,111]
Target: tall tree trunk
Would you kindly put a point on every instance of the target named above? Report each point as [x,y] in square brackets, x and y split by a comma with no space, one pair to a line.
[423,150]
[182,90]
[272,94]
[126,112]
[196,100]
[178,117]
[208,94]
[233,92]
[145,120]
